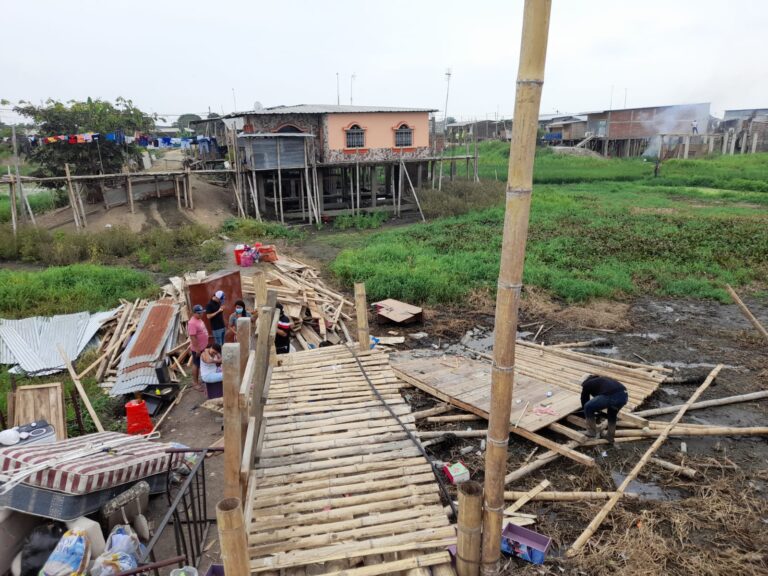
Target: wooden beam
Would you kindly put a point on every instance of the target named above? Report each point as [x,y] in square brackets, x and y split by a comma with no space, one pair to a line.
[361,307]
[527,497]
[704,404]
[232,433]
[81,390]
[232,536]
[468,530]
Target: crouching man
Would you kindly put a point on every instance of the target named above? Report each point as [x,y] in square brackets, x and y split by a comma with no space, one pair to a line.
[606,394]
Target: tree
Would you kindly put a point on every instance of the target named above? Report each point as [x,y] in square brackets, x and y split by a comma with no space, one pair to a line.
[97,116]
[183,122]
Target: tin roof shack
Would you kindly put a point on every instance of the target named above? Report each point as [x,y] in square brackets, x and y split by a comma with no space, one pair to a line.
[307,161]
[627,132]
[747,130]
[462,132]
[569,131]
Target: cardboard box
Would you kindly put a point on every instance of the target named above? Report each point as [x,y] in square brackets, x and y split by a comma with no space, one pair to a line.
[525,544]
[456,473]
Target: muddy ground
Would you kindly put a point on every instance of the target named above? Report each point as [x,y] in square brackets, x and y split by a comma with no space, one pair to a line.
[711,525]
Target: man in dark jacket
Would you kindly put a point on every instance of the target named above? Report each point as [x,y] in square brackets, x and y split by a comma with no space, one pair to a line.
[605,393]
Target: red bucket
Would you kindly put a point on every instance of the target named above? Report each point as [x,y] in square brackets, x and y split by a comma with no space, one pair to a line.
[238,255]
[137,416]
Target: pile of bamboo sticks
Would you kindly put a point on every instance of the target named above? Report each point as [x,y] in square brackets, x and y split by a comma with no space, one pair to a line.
[318,312]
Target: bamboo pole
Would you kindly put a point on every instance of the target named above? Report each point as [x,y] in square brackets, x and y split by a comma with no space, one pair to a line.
[530,78]
[676,468]
[233,448]
[71,195]
[469,526]
[279,181]
[361,308]
[595,524]
[79,194]
[744,310]
[705,404]
[19,183]
[527,497]
[564,496]
[12,196]
[413,190]
[232,536]
[81,390]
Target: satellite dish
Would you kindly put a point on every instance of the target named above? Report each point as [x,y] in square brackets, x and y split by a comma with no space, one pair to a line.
[257,106]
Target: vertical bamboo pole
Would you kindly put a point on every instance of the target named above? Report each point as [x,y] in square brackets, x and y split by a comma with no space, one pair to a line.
[80,203]
[244,341]
[260,289]
[530,78]
[361,307]
[232,536]
[357,186]
[188,179]
[470,524]
[129,192]
[71,195]
[19,184]
[177,188]
[262,359]
[595,524]
[233,449]
[12,196]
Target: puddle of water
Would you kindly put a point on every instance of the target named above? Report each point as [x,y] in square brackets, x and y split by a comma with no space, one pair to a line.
[647,490]
[682,365]
[647,335]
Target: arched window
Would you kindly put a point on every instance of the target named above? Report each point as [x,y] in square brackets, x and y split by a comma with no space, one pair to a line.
[355,137]
[403,136]
[289,129]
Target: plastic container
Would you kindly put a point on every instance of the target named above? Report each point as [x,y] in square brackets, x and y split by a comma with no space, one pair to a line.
[246,260]
[267,254]
[215,390]
[525,544]
[238,255]
[137,416]
[185,571]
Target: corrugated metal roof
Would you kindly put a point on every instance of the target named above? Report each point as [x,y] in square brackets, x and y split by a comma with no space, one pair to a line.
[324,109]
[32,343]
[155,335]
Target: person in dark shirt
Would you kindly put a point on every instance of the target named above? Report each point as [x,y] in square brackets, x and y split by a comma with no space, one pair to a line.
[283,335]
[605,393]
[215,314]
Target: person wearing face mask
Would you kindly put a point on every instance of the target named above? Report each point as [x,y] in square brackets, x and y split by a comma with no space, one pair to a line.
[240,312]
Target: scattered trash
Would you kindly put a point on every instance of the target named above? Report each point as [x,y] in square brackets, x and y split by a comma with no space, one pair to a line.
[390,310]
[683,447]
[418,335]
[525,544]
[456,473]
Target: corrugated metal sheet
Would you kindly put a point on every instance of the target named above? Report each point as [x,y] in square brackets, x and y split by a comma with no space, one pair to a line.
[32,343]
[155,335]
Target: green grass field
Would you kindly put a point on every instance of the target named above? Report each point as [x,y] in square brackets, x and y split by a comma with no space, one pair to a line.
[611,237]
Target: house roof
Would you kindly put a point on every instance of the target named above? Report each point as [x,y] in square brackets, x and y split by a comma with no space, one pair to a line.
[324,109]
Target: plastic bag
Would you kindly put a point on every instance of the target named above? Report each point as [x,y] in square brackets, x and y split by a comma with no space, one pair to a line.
[109,564]
[122,552]
[38,547]
[70,557]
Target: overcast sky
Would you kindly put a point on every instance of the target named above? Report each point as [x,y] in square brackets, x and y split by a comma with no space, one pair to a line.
[173,57]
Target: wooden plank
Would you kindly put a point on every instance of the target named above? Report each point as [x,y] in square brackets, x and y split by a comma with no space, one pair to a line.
[41,402]
[526,497]
[81,390]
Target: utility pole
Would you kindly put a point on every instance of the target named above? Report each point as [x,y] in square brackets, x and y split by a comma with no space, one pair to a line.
[530,79]
[234,100]
[338,92]
[445,126]
[351,86]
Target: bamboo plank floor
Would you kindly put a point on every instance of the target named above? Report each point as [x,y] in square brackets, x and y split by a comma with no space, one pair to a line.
[339,487]
[466,383]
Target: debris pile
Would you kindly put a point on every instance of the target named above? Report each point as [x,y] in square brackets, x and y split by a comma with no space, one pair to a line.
[318,312]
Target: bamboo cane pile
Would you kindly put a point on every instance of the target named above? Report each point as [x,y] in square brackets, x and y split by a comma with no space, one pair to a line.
[318,312]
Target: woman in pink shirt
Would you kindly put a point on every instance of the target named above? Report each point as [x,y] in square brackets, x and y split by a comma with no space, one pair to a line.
[198,341]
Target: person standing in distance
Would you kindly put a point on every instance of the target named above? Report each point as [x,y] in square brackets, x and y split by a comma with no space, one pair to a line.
[215,314]
[198,341]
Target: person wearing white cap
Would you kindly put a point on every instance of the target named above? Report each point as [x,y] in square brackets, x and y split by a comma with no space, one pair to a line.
[215,314]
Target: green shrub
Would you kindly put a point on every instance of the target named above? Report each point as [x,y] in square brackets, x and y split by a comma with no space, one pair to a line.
[360,221]
[255,231]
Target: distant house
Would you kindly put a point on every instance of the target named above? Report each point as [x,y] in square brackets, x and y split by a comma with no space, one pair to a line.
[748,129]
[568,131]
[332,159]
[460,132]
[627,132]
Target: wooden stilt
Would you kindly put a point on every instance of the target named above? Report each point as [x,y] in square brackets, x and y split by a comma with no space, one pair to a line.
[469,526]
[189,190]
[357,186]
[72,200]
[413,190]
[79,193]
[177,188]
[232,536]
[361,307]
[232,434]
[279,182]
[12,196]
[518,200]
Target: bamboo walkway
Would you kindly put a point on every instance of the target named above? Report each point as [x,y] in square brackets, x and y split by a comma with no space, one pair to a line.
[339,487]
